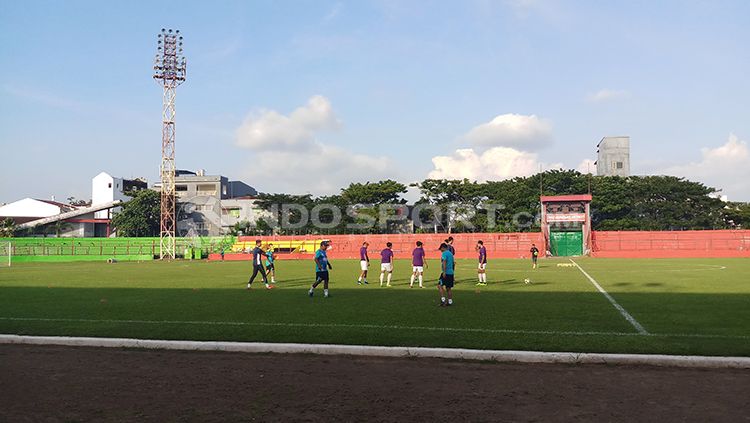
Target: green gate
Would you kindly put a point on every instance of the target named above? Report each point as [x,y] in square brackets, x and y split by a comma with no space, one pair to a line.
[566,243]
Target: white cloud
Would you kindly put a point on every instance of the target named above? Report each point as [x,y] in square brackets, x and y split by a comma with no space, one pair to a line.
[726,167]
[287,157]
[511,130]
[270,130]
[607,95]
[496,163]
[587,166]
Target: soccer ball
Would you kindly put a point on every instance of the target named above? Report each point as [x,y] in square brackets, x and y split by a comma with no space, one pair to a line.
[527,281]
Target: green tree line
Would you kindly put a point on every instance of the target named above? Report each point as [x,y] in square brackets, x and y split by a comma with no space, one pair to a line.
[619,203]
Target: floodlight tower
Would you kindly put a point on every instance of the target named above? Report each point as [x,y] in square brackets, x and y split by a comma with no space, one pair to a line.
[169,72]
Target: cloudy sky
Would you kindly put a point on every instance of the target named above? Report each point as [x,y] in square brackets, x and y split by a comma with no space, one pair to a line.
[307,96]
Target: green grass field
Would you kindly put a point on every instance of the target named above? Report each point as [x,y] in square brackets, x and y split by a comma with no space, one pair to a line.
[687,306]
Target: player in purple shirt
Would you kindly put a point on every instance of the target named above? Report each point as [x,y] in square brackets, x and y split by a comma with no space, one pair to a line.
[386,263]
[364,263]
[482,269]
[418,263]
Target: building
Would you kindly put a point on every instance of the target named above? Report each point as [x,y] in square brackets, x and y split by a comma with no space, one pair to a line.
[48,217]
[105,188]
[613,156]
[208,205]
[30,209]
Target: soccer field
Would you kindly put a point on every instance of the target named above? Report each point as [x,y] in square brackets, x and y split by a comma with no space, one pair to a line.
[668,306]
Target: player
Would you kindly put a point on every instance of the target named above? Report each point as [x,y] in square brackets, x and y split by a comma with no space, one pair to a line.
[364,263]
[270,266]
[534,255]
[447,277]
[482,269]
[322,265]
[386,263]
[449,242]
[418,263]
[258,265]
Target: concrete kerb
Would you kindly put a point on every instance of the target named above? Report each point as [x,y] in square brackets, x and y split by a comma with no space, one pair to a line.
[375,351]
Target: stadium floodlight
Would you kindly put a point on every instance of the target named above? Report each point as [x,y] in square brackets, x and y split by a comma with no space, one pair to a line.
[169,71]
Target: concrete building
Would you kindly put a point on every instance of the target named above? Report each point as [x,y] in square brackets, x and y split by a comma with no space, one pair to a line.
[613,156]
[201,199]
[48,217]
[30,209]
[105,188]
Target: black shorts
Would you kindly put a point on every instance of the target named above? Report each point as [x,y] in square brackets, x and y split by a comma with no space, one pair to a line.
[533,258]
[321,276]
[446,281]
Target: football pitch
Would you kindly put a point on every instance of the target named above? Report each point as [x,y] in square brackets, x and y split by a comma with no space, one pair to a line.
[663,306]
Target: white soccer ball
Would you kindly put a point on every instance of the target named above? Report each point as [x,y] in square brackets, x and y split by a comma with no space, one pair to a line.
[527,280]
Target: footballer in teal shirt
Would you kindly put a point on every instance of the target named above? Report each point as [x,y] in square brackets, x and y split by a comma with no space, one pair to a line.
[445,284]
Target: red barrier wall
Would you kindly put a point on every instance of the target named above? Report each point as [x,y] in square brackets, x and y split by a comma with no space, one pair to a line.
[671,244]
[512,245]
[626,244]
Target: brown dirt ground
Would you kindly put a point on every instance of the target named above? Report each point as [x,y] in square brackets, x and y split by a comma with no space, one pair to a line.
[48,383]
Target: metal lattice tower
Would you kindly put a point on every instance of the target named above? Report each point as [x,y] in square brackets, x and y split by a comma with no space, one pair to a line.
[169,71]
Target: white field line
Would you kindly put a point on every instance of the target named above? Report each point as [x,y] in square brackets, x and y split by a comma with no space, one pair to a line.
[370,326]
[374,351]
[638,327]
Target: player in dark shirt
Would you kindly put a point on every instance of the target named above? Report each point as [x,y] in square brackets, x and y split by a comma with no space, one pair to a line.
[258,256]
[534,255]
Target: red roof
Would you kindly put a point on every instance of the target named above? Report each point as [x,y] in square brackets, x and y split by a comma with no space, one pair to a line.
[565,198]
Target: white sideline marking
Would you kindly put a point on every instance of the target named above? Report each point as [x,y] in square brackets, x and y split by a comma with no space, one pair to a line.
[380,327]
[638,327]
[372,351]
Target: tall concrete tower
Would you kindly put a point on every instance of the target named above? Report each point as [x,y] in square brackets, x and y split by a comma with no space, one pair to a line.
[613,156]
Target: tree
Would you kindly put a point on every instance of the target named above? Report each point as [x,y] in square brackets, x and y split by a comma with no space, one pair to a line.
[451,202]
[737,215]
[140,216]
[374,193]
[7,228]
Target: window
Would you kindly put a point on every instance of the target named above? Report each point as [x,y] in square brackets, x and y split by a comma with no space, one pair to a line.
[109,185]
[619,165]
[206,189]
[180,187]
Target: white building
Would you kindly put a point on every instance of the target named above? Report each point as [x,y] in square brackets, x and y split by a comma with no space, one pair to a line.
[48,217]
[29,209]
[105,188]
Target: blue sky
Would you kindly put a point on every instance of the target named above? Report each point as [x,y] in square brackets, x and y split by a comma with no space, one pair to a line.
[306,96]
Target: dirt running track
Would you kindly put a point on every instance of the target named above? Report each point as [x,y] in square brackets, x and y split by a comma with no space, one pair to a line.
[87,384]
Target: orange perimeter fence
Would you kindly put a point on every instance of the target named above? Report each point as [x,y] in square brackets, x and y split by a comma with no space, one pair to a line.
[632,244]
